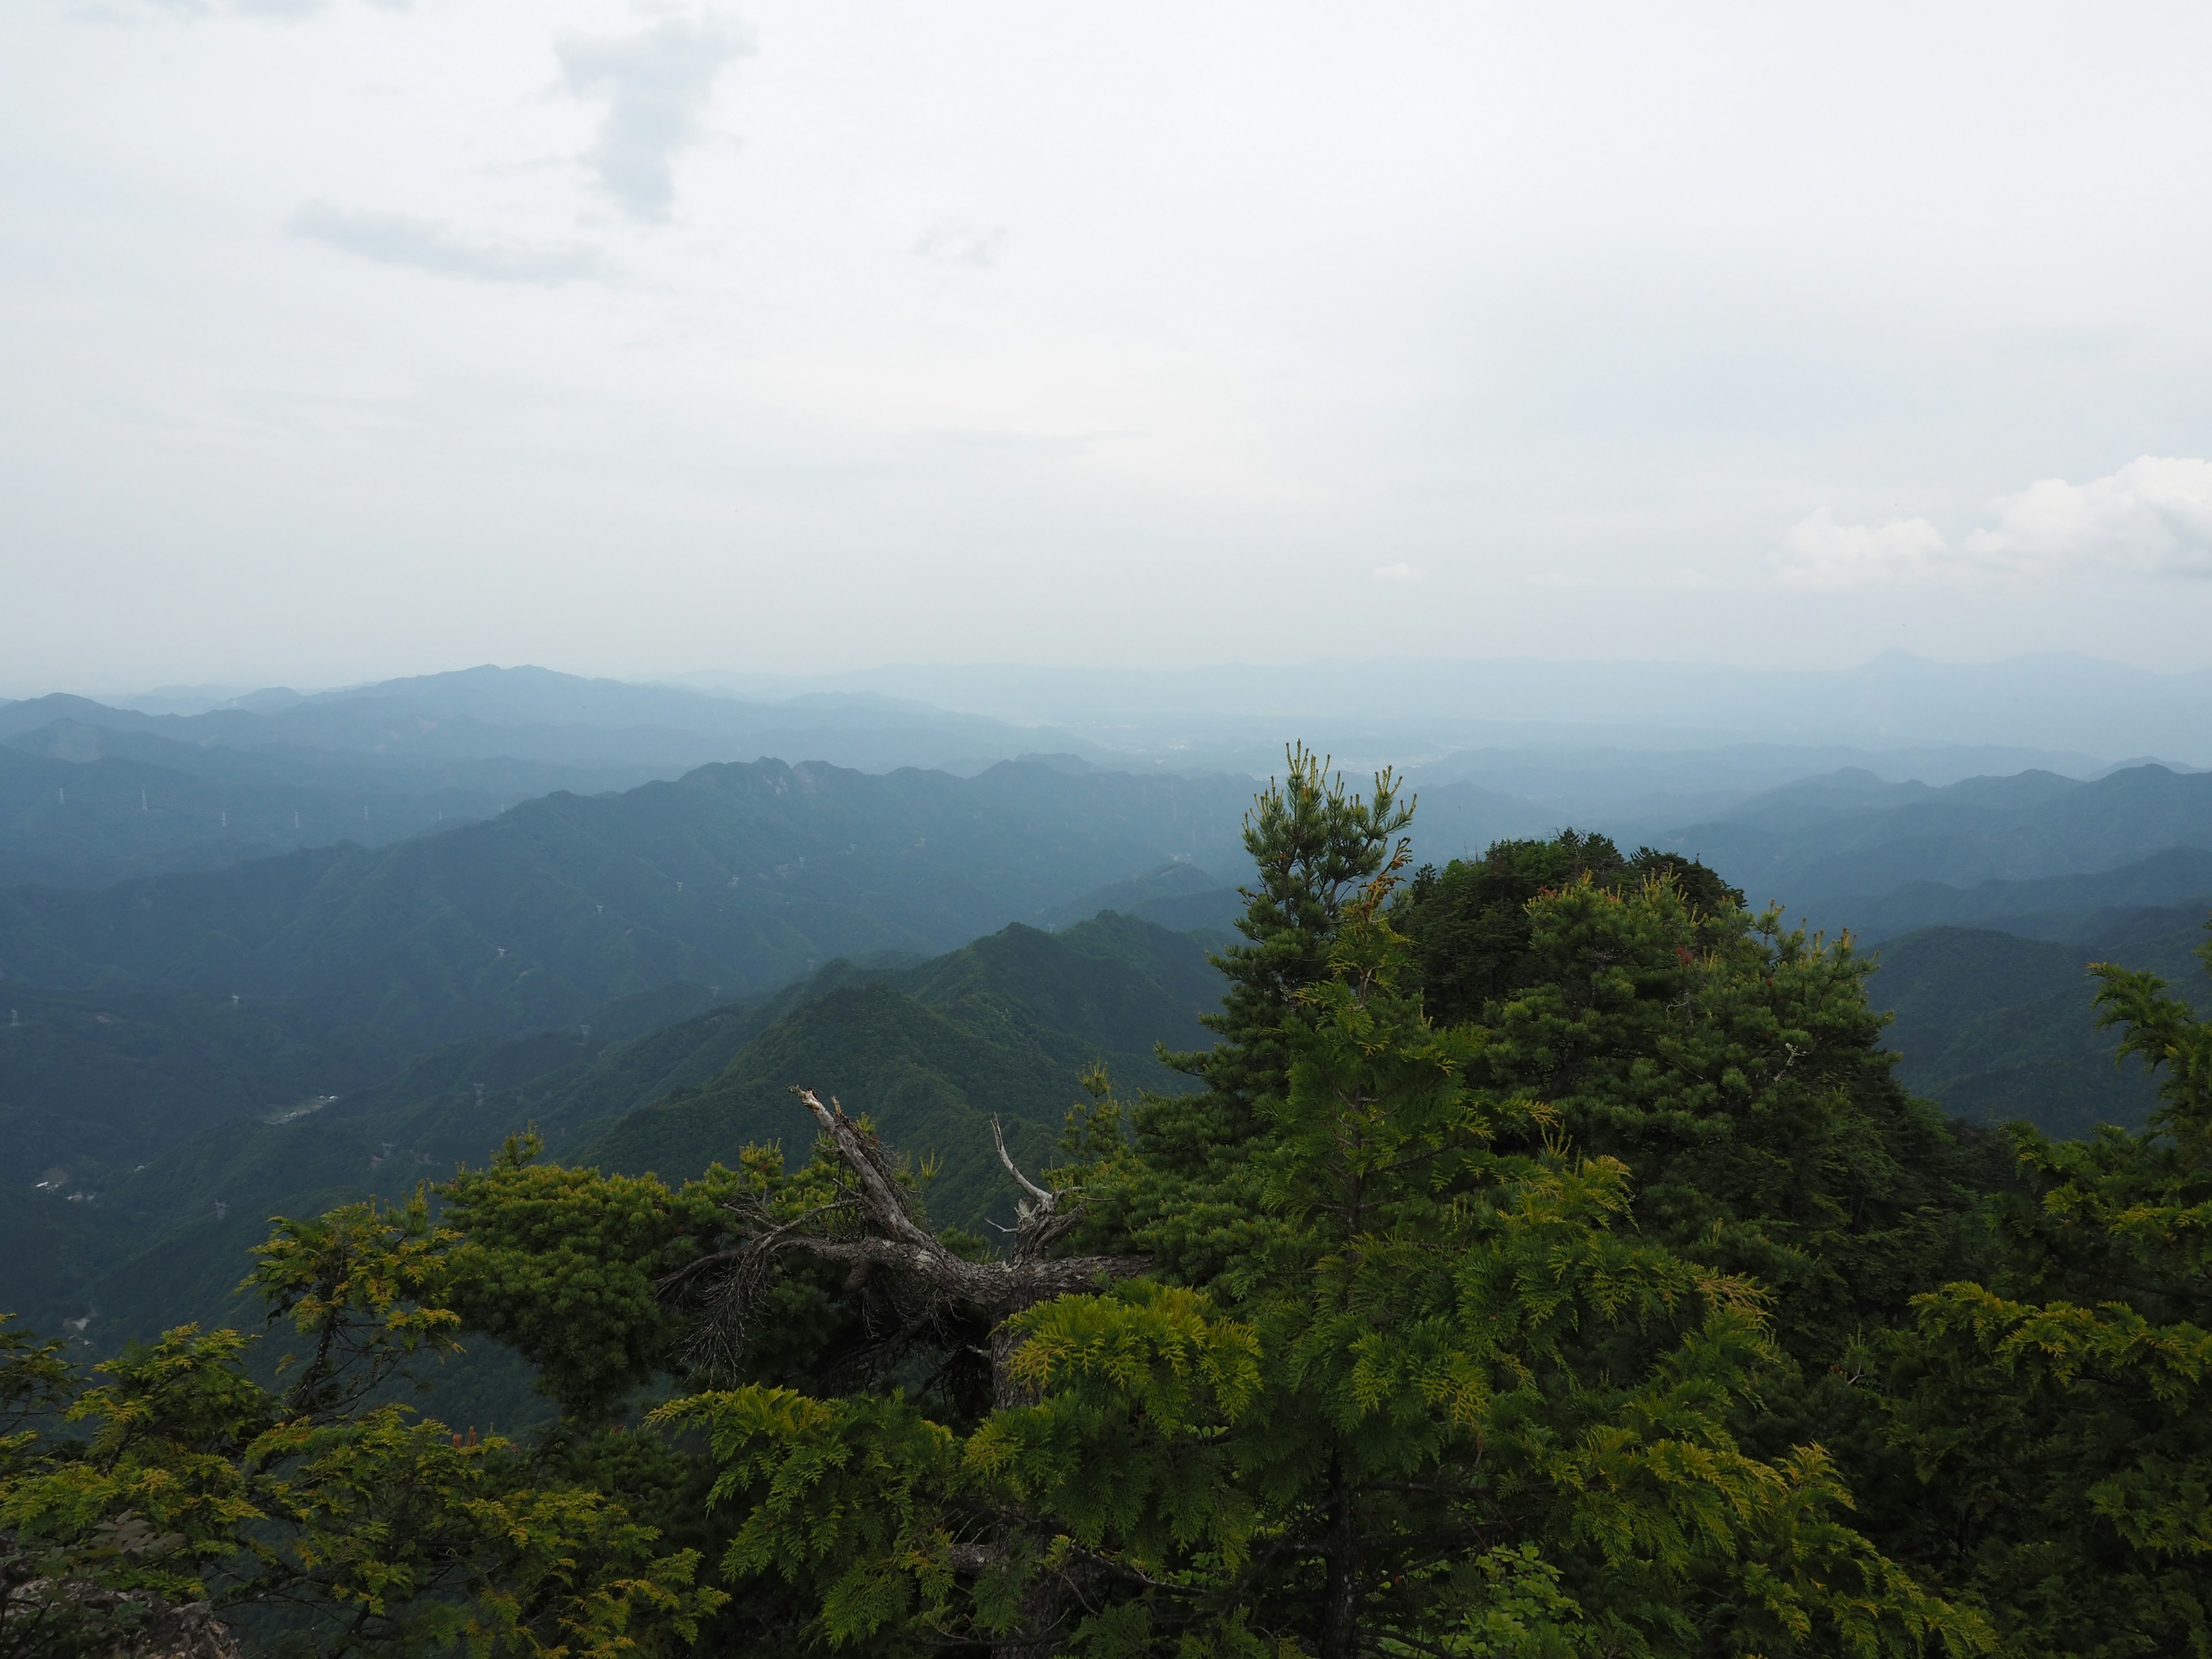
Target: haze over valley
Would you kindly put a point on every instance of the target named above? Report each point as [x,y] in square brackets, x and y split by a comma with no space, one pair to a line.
[261,936]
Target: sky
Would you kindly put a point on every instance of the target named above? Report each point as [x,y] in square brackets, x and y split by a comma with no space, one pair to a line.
[342,339]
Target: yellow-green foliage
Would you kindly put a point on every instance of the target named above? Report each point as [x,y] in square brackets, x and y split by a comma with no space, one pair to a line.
[354,1524]
[1442,1402]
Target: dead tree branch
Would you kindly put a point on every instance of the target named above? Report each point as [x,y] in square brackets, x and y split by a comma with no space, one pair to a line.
[1027,1276]
[877,1228]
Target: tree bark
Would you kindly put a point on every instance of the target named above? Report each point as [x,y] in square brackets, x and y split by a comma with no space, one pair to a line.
[891,1235]
[1028,1276]
[1340,1632]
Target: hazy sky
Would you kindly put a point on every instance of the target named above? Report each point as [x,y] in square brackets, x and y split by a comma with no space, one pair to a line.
[340,340]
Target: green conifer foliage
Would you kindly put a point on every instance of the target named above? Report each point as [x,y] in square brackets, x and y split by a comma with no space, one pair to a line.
[2060,1415]
[333,1521]
[1732,1064]
[1470,924]
[1436,1398]
[1315,847]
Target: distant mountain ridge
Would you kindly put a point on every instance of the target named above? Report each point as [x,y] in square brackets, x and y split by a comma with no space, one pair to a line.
[538,714]
[744,876]
[1823,839]
[2049,906]
[87,806]
[1896,699]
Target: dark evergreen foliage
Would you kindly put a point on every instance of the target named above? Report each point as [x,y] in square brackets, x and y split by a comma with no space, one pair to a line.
[1469,920]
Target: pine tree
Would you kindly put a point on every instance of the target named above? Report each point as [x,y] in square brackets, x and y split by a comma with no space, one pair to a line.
[1433,1403]
[1315,847]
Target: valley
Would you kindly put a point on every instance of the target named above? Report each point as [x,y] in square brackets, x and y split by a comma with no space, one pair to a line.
[641,968]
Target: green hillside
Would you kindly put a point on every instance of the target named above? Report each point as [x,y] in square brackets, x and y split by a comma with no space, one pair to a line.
[1997,1027]
[1005,1026]
[744,878]
[93,1082]
[930,1081]
[932,1049]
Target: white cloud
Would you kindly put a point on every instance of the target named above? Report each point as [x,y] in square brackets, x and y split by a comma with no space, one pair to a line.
[1283,314]
[2154,514]
[137,11]
[958,242]
[657,83]
[1400,571]
[1822,553]
[395,239]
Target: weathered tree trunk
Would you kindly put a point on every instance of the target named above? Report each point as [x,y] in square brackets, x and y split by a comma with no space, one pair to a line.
[896,1238]
[1340,1619]
[1001,1289]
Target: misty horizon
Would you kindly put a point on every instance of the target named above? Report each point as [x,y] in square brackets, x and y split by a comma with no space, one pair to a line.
[1900,716]
[789,340]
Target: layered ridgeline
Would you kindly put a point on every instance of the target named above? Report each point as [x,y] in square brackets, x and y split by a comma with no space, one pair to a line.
[1996,1025]
[85,805]
[1849,848]
[669,1080]
[536,714]
[92,794]
[1986,901]
[740,878]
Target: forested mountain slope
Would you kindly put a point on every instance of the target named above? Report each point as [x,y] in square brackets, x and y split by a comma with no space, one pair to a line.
[86,805]
[1815,843]
[1998,1027]
[739,876]
[2051,907]
[93,1082]
[1005,1025]
[1170,884]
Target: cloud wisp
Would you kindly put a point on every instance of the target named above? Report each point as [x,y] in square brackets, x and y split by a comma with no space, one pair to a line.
[395,239]
[280,11]
[2153,517]
[1822,553]
[956,242]
[657,84]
